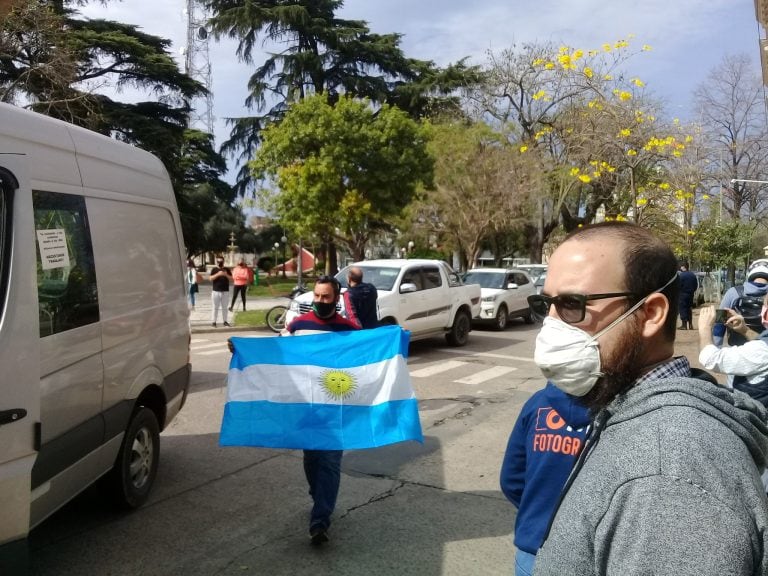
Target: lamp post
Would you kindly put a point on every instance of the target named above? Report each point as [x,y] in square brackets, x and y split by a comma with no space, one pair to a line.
[277,246]
[284,240]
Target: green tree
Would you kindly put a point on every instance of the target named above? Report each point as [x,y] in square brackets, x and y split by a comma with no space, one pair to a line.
[342,172]
[56,62]
[477,170]
[322,54]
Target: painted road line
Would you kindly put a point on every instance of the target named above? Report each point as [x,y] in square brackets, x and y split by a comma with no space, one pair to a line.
[485,375]
[211,352]
[437,369]
[489,355]
[206,346]
[198,340]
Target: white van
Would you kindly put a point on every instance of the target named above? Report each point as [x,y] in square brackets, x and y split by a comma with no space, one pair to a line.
[94,325]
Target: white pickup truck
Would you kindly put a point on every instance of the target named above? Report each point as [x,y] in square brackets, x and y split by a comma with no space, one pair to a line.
[425,297]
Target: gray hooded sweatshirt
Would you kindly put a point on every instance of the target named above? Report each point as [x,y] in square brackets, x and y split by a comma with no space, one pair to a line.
[671,486]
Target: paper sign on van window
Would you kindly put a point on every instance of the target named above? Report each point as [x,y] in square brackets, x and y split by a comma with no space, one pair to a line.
[53,248]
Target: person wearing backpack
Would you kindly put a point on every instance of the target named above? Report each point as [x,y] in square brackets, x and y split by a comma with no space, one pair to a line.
[746,300]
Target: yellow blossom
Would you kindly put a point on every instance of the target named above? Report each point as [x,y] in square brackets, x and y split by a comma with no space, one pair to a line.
[575,171]
[523,149]
[607,47]
[584,178]
[620,218]
[642,201]
[624,96]
[691,233]
[631,152]
[563,49]
[588,72]
[623,133]
[578,54]
[592,53]
[646,48]
[549,65]
[677,153]
[664,186]
[596,174]
[621,44]
[637,82]
[540,94]
[705,196]
[538,62]
[608,77]
[676,121]
[689,138]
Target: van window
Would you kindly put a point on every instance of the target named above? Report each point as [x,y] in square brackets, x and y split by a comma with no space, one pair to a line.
[66,276]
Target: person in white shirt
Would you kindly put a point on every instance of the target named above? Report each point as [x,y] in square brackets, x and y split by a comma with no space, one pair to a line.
[748,362]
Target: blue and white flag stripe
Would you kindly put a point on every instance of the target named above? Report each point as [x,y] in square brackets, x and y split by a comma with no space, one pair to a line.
[305,383]
[329,391]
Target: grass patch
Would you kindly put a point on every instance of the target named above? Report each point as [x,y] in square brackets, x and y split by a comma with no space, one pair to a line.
[275,287]
[251,318]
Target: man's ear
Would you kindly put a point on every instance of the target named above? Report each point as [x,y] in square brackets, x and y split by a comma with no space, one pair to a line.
[656,308]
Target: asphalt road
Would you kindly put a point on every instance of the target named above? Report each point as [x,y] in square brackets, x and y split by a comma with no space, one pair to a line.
[431,509]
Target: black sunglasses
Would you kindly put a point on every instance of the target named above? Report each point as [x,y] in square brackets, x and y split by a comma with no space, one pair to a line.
[570,307]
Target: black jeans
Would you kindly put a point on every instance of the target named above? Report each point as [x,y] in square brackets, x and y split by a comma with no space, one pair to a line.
[242,290]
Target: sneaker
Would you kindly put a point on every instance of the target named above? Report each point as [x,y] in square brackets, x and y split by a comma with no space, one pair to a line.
[214,324]
[227,324]
[318,535]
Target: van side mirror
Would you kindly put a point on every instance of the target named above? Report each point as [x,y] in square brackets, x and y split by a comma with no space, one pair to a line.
[407,287]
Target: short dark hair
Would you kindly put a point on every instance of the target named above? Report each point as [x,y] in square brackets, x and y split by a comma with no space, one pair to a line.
[649,263]
[325,279]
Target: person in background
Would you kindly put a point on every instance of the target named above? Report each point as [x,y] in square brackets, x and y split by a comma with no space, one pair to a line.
[360,299]
[220,277]
[746,300]
[193,278]
[668,481]
[545,441]
[241,276]
[748,362]
[322,467]
[688,286]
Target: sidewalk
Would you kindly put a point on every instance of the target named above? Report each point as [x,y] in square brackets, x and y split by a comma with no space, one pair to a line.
[201,317]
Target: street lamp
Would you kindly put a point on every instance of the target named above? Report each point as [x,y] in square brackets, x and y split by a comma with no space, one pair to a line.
[277,246]
[284,240]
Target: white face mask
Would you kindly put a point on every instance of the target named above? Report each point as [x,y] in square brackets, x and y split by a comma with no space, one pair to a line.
[569,357]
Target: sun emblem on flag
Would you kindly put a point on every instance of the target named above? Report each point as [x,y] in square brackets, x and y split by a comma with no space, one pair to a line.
[338,384]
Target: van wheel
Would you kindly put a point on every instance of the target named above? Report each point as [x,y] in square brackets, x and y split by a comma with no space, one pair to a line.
[459,334]
[134,472]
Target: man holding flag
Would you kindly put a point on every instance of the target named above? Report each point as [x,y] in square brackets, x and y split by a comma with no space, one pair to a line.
[323,393]
[322,467]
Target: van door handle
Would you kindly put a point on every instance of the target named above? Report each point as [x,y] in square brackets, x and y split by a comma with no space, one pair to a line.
[10,416]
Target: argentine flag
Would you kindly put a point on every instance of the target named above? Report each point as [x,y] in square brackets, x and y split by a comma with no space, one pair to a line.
[327,391]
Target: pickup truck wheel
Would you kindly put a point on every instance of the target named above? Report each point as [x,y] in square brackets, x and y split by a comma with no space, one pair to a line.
[459,334]
[134,472]
[502,317]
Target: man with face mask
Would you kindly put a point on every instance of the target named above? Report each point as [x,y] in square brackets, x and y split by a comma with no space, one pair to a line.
[668,481]
[322,467]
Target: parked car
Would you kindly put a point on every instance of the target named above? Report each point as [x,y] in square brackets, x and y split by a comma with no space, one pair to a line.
[425,297]
[504,293]
[533,270]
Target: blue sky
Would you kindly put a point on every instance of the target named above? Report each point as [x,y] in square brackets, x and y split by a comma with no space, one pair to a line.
[688,37]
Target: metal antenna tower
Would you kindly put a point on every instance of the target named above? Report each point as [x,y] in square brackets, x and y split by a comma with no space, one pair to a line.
[197,64]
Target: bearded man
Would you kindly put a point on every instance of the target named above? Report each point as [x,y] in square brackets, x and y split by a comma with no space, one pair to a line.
[669,479]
